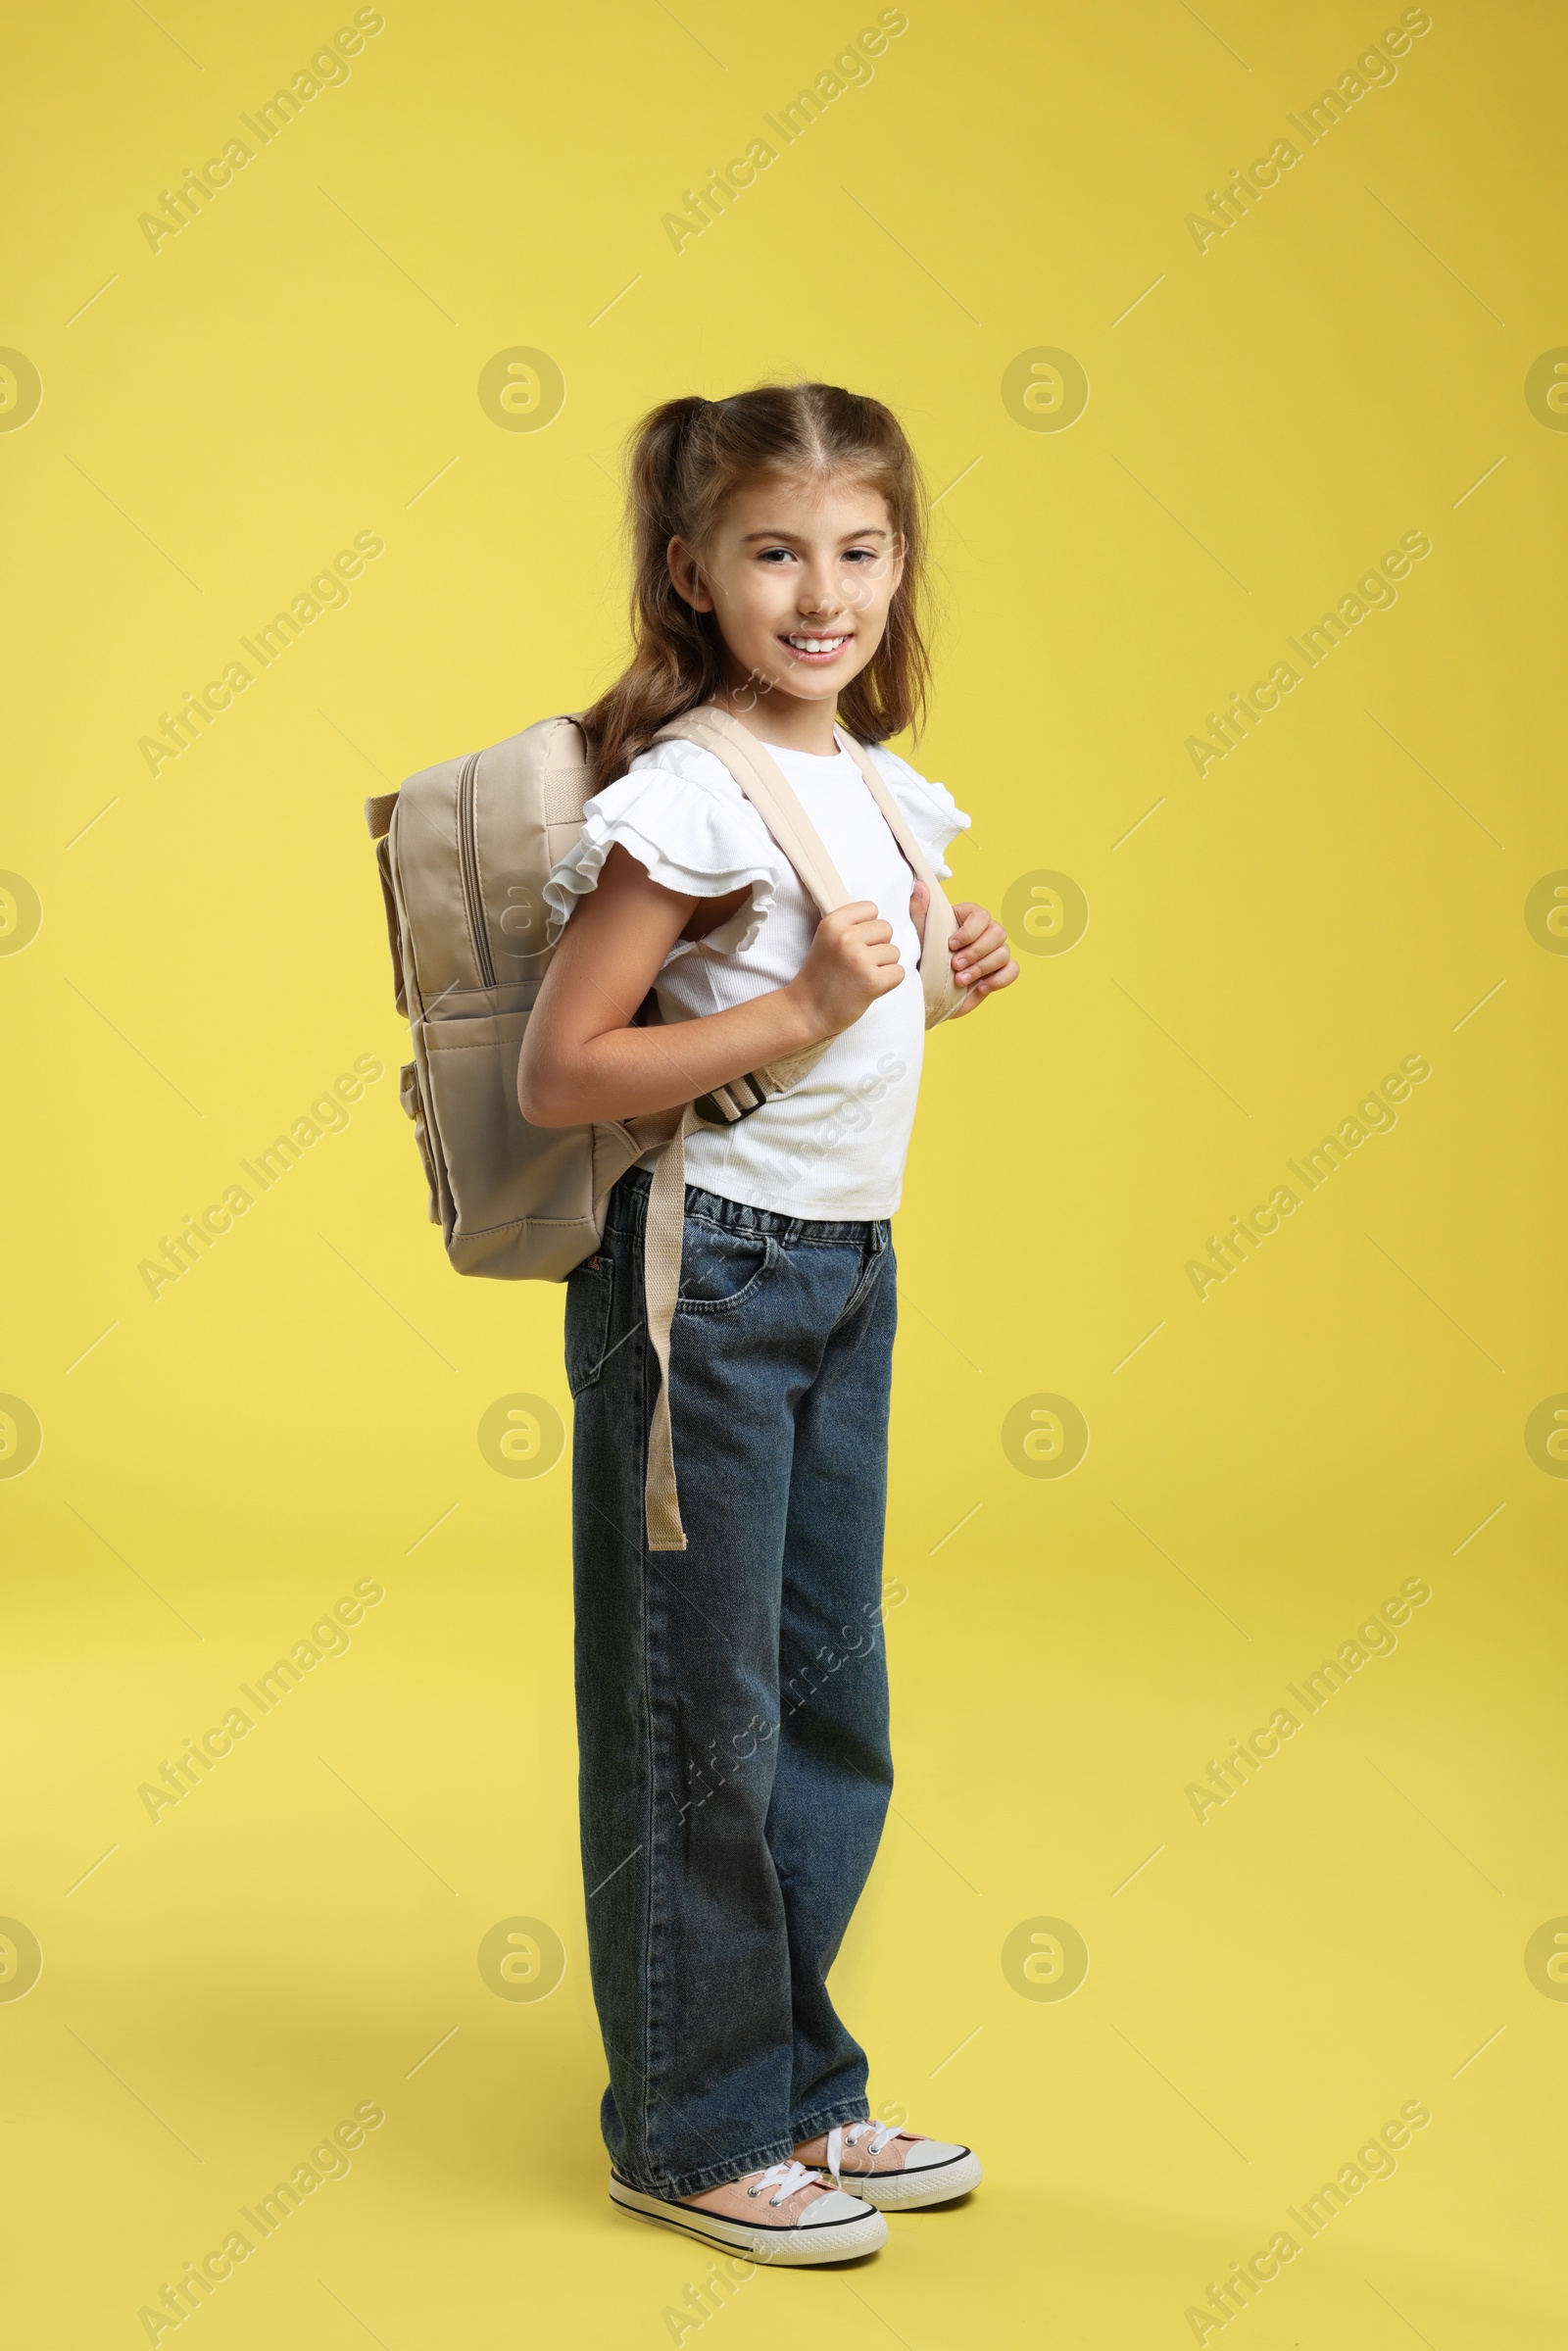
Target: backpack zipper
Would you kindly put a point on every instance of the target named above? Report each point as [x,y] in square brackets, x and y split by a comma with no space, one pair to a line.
[468,869]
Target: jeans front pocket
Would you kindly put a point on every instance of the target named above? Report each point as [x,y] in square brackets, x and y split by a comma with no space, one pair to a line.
[590,1294]
[722,1266]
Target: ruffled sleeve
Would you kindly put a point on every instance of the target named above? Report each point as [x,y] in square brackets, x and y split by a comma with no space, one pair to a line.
[679,812]
[934,817]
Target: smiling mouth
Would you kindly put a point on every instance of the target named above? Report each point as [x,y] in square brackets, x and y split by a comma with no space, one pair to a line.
[811,646]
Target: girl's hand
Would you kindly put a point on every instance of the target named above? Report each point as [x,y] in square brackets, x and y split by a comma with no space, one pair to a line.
[981,963]
[851,961]
[978,948]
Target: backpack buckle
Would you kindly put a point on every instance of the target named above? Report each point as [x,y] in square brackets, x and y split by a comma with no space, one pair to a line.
[728,1104]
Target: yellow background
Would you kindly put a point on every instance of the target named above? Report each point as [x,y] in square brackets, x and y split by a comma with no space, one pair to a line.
[222,1988]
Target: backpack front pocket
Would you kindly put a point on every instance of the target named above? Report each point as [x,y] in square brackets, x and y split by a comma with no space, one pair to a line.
[502,1171]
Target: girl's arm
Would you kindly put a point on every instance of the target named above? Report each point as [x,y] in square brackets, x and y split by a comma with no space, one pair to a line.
[583,1062]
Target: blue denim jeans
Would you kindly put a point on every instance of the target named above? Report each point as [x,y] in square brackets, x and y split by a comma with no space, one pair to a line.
[732,1708]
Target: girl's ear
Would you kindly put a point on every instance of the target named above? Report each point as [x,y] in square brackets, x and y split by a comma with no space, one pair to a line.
[898,546]
[687,575]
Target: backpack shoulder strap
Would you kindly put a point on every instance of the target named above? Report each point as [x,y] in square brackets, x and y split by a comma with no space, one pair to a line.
[942,994]
[776,801]
[770,792]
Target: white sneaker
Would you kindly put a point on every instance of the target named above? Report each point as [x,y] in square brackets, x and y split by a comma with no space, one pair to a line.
[895,2169]
[815,2221]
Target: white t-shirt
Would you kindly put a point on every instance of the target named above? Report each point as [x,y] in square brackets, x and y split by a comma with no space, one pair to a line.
[834,1145]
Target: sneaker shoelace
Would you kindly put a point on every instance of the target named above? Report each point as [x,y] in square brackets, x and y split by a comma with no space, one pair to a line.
[789,2176]
[838,2138]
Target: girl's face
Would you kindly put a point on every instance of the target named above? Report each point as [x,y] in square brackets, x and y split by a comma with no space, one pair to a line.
[799,576]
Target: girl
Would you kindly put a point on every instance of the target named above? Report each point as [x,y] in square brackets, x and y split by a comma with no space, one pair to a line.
[731,1696]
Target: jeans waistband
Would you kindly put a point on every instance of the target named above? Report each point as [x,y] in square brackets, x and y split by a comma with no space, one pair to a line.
[628,1213]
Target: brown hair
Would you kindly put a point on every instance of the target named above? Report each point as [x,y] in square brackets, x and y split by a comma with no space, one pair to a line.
[685,457]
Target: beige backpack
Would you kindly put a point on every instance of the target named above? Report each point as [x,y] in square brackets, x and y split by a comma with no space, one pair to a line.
[465,851]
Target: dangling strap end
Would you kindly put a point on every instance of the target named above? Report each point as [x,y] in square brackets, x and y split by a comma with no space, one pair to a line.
[662,1253]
